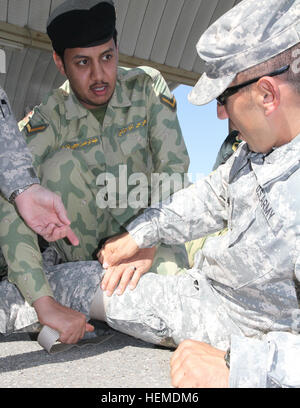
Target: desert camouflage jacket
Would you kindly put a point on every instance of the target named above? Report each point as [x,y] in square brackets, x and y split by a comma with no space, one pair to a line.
[140,130]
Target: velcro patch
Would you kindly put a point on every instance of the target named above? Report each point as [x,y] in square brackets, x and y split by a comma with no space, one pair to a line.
[169,102]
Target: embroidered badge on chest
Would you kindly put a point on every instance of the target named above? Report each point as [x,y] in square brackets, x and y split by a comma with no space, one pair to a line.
[81,145]
[132,127]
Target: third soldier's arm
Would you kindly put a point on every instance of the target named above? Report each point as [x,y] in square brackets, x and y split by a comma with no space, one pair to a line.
[21,251]
[169,154]
[19,243]
[192,213]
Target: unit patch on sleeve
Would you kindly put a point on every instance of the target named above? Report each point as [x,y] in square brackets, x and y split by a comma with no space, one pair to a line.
[169,102]
[30,130]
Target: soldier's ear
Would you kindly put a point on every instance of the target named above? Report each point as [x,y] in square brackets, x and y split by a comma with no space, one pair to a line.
[268,94]
[59,63]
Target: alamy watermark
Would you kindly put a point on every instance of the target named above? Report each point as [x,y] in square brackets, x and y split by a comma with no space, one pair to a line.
[138,190]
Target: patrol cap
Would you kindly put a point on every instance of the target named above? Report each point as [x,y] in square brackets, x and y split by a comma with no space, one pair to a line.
[250,33]
[81,23]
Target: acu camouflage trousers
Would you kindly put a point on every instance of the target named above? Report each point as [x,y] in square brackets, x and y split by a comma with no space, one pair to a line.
[162,310]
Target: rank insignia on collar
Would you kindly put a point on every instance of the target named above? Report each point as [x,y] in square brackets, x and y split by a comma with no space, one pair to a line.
[169,102]
[30,130]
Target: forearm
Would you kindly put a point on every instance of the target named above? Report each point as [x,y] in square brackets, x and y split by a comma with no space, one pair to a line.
[21,252]
[189,214]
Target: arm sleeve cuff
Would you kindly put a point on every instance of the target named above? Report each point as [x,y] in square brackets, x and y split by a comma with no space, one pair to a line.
[143,231]
[248,363]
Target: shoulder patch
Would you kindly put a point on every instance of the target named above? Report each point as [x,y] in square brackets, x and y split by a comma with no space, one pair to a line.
[128,74]
[30,130]
[25,124]
[169,102]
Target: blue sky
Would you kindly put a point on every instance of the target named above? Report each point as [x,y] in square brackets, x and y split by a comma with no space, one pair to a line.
[203,132]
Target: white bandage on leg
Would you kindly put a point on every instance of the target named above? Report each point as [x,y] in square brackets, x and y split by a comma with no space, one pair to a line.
[48,336]
[98,306]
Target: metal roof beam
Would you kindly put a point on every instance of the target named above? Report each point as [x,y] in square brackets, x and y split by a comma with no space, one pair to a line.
[17,37]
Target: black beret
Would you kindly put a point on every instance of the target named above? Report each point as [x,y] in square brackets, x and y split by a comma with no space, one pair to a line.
[81,23]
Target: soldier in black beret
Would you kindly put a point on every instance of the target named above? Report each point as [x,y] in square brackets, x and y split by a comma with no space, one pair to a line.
[78,24]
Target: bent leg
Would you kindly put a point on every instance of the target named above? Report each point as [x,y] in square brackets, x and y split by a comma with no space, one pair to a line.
[166,310]
[15,313]
[163,310]
[74,285]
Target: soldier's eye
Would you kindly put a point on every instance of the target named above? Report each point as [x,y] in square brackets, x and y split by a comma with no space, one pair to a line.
[82,62]
[107,57]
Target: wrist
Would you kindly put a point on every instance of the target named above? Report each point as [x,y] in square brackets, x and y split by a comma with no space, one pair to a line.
[15,194]
[43,303]
[227,358]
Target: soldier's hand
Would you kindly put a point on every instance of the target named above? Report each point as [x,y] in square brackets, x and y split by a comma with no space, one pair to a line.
[70,324]
[128,272]
[44,212]
[198,365]
[117,249]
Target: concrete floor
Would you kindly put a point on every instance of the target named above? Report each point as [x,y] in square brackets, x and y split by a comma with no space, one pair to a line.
[114,361]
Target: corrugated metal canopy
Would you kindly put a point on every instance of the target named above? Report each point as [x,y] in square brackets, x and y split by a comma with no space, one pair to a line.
[160,33]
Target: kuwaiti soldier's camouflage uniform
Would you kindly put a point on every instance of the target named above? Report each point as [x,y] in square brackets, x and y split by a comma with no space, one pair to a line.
[70,147]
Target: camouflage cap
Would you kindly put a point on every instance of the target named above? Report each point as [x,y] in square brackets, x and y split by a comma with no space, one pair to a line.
[81,23]
[247,35]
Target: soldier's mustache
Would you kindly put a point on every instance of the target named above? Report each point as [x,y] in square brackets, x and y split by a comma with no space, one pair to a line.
[99,85]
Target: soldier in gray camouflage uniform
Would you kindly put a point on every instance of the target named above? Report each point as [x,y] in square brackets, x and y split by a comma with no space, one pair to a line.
[241,291]
[120,122]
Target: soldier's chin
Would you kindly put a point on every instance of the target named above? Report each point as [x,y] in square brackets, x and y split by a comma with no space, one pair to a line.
[93,104]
